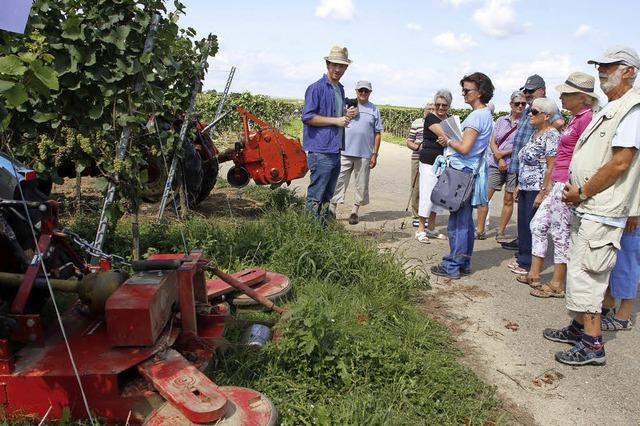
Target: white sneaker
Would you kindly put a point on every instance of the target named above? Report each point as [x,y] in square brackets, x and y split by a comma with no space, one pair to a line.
[422,237]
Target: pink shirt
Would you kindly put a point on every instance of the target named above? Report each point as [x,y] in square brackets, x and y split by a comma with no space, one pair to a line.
[568,139]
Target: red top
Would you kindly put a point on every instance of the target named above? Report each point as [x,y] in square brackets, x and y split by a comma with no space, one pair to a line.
[568,139]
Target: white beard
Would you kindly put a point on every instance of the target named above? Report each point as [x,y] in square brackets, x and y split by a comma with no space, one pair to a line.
[611,81]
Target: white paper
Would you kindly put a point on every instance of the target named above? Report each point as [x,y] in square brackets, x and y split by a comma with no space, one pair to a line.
[451,127]
[14,15]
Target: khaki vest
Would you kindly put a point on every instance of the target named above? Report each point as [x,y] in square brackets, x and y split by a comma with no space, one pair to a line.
[593,150]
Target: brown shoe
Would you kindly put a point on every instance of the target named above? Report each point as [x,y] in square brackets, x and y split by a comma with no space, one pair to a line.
[353,219]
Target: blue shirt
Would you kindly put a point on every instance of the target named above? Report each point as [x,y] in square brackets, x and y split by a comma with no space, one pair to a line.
[360,134]
[480,120]
[523,134]
[319,99]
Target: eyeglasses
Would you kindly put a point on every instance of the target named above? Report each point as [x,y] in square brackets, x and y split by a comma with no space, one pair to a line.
[441,105]
[519,104]
[363,90]
[465,91]
[534,112]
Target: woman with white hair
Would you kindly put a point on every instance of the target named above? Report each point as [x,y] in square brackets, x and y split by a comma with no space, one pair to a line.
[429,151]
[553,216]
[536,159]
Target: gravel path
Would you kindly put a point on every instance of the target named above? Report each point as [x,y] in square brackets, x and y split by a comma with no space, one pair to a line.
[498,325]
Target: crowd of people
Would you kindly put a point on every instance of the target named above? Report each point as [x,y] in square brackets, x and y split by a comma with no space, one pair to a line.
[575,182]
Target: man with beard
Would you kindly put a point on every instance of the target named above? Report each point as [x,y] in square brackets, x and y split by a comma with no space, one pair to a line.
[603,190]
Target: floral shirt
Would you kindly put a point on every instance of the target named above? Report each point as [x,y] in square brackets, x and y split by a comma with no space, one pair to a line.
[533,161]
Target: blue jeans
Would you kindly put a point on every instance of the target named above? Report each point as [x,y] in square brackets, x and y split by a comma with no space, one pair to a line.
[525,214]
[461,236]
[324,171]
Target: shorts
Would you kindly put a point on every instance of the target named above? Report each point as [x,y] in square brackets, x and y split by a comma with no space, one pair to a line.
[498,178]
[625,276]
[593,248]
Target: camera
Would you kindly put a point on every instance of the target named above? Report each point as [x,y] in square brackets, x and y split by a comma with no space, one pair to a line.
[351,103]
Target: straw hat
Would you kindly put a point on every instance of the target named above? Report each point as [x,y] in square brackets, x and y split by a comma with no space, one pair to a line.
[338,55]
[578,82]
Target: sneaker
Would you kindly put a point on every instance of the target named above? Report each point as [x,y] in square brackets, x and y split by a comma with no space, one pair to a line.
[441,272]
[562,335]
[435,234]
[582,354]
[465,272]
[511,245]
[611,323]
[518,270]
[353,219]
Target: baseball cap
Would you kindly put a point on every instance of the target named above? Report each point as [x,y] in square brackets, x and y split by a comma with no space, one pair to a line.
[533,82]
[624,54]
[363,84]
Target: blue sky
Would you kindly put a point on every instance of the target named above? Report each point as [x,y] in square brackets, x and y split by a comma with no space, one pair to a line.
[408,49]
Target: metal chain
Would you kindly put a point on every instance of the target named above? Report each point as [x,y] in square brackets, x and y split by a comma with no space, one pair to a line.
[93,251]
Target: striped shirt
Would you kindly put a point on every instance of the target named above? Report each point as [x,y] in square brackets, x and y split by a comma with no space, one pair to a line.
[415,136]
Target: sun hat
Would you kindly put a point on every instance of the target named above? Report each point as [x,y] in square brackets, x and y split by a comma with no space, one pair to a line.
[578,82]
[363,84]
[626,55]
[533,82]
[338,55]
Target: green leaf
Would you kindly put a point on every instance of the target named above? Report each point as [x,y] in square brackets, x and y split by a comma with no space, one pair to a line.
[11,65]
[95,112]
[45,74]
[101,184]
[118,37]
[6,85]
[27,57]
[72,28]
[41,117]
[16,95]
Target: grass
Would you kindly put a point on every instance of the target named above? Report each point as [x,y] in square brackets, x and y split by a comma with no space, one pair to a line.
[354,349]
[396,140]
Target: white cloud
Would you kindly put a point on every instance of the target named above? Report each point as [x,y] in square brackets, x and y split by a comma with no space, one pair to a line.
[497,18]
[457,3]
[582,31]
[336,9]
[450,41]
[412,26]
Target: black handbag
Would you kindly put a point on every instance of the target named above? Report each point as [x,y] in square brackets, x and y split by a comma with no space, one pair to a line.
[453,189]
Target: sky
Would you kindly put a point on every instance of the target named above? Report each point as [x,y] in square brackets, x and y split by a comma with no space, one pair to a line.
[408,49]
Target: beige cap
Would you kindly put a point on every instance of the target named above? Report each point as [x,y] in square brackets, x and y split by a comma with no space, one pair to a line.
[338,55]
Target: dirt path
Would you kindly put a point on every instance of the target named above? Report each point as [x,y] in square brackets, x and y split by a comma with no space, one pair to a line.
[499,326]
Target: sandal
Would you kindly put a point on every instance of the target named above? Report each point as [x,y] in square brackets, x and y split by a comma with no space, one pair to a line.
[435,234]
[422,237]
[615,324]
[481,236]
[501,238]
[546,291]
[532,282]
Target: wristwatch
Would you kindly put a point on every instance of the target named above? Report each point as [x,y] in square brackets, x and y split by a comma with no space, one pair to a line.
[581,194]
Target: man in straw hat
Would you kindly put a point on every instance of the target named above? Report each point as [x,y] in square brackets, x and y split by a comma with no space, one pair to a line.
[603,189]
[325,116]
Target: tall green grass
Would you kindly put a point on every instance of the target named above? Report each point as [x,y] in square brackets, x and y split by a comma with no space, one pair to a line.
[355,350]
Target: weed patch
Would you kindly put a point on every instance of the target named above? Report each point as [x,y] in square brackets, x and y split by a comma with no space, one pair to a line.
[354,349]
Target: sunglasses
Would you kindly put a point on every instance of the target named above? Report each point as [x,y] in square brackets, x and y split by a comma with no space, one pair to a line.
[519,104]
[465,91]
[441,105]
[528,91]
[364,90]
[535,112]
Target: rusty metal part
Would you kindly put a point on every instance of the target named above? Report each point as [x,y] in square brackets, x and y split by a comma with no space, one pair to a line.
[234,282]
[96,288]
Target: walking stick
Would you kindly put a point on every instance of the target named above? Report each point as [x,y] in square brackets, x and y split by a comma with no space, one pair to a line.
[413,187]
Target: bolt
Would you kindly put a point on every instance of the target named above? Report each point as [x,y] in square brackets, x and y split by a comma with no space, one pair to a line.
[30,323]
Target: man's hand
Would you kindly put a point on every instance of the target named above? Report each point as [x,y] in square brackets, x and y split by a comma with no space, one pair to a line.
[570,195]
[516,194]
[373,161]
[502,165]
[352,112]
[632,224]
[343,121]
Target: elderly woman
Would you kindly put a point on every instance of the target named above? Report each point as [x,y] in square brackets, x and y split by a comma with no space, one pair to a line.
[466,154]
[414,142]
[429,151]
[552,218]
[536,162]
[498,159]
